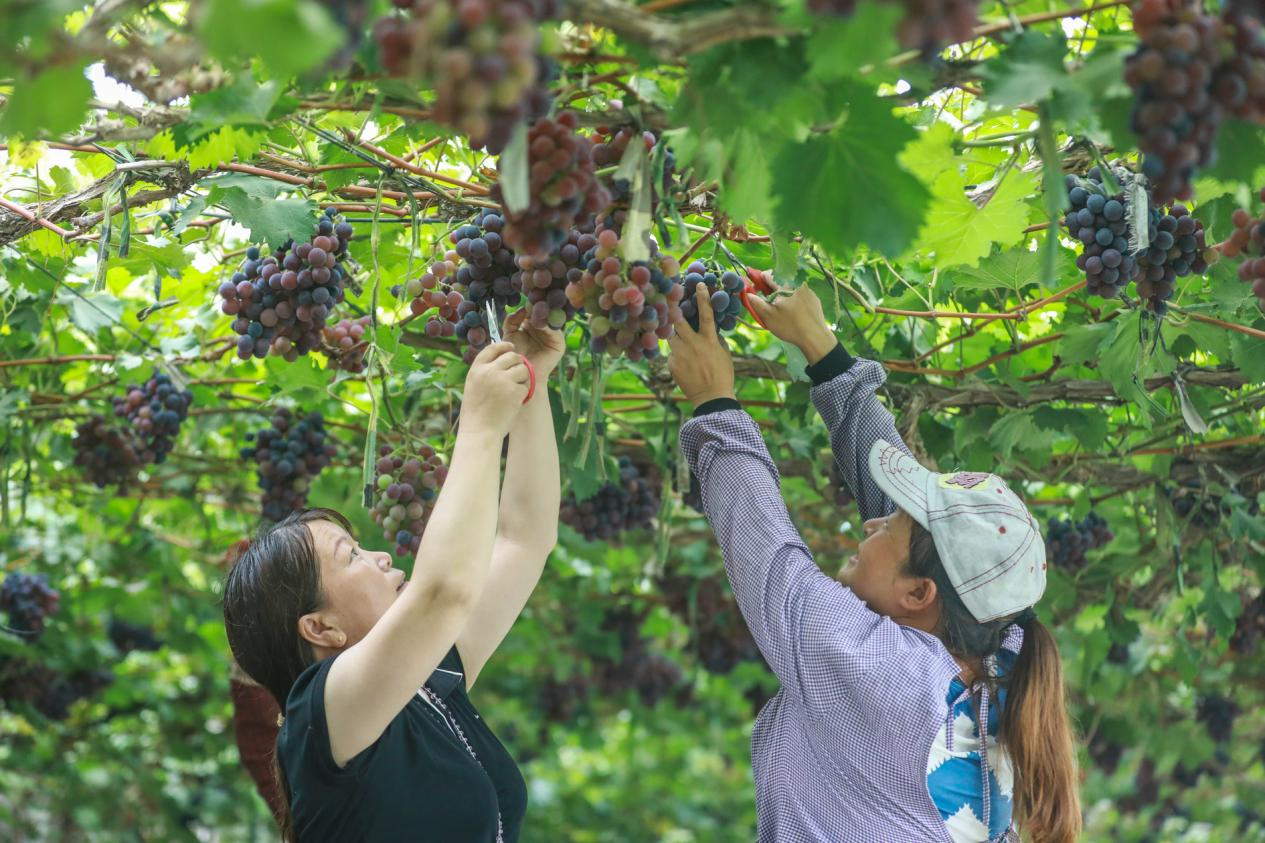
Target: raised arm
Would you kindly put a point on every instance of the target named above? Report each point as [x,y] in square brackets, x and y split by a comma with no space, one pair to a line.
[843,392]
[371,681]
[527,524]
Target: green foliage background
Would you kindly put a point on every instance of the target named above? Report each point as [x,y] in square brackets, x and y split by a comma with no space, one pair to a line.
[881,180]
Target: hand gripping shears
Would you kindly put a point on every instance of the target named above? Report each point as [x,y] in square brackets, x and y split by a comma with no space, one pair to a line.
[494,331]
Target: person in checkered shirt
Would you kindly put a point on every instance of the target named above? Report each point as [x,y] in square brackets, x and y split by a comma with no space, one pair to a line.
[921,698]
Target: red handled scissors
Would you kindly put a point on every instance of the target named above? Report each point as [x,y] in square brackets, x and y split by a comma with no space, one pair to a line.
[494,331]
[753,281]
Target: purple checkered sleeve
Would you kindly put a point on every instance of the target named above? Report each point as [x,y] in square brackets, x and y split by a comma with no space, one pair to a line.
[856,420]
[840,754]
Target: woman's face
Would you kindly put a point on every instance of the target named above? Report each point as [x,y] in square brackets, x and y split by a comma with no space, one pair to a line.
[359,585]
[875,573]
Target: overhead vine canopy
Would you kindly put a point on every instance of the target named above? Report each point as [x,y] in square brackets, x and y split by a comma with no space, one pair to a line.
[248,246]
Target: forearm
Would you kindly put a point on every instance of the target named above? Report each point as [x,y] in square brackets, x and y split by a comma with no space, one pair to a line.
[457,544]
[531,493]
[843,393]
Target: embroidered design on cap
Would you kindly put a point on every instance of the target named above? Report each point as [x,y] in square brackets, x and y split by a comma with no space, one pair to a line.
[966,480]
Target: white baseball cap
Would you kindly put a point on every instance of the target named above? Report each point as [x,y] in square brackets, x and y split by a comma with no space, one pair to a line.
[987,539]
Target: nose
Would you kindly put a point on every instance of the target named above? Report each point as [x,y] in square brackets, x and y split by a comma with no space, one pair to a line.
[384,561]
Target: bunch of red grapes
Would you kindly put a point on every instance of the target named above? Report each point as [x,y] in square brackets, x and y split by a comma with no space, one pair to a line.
[155,409]
[631,306]
[281,302]
[1239,83]
[106,454]
[345,344]
[1175,116]
[433,290]
[1248,241]
[544,282]
[405,492]
[482,57]
[565,192]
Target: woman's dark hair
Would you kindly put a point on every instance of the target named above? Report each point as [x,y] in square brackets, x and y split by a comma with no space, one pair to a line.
[1035,728]
[276,581]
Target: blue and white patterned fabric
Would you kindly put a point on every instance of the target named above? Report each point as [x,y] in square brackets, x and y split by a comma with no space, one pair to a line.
[841,754]
[955,766]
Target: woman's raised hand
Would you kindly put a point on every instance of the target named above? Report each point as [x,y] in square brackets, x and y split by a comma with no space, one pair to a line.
[495,388]
[542,346]
[700,362]
[797,319]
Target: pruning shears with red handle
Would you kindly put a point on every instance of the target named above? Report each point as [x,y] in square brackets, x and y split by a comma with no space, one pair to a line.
[753,281]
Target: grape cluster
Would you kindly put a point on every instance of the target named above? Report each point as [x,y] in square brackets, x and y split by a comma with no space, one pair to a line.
[280,302]
[127,637]
[723,286]
[290,452]
[1105,752]
[481,56]
[106,454]
[433,290]
[1218,714]
[48,691]
[718,633]
[345,344]
[631,306]
[1239,83]
[1248,240]
[565,192]
[1175,115]
[1066,543]
[608,151]
[28,600]
[1099,221]
[630,504]
[927,25]
[1249,627]
[651,675]
[1177,249]
[155,409]
[544,282]
[406,489]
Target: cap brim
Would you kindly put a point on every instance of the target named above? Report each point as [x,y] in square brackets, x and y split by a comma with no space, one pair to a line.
[903,479]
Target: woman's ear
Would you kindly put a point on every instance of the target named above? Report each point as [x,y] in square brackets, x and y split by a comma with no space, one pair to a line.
[319,630]
[918,595]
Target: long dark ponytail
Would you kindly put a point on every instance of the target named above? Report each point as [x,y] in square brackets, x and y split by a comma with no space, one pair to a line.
[1035,728]
[274,582]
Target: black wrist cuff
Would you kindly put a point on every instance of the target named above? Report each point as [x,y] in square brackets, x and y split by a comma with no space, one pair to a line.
[716,405]
[831,366]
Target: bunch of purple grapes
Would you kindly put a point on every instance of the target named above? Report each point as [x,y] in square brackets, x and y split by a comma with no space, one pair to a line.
[433,290]
[50,692]
[718,634]
[106,454]
[1099,222]
[928,24]
[126,637]
[289,453]
[608,151]
[630,504]
[1218,714]
[406,489]
[544,282]
[565,192]
[1177,249]
[1066,543]
[631,306]
[345,344]
[482,57]
[1249,627]
[281,302]
[155,410]
[1175,116]
[28,600]
[651,675]
[723,286]
[485,271]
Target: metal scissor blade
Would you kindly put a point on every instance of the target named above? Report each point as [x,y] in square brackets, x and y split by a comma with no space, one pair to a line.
[494,330]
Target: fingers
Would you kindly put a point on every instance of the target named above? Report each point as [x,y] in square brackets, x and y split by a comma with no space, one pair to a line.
[514,322]
[508,361]
[493,352]
[706,319]
[684,332]
[763,309]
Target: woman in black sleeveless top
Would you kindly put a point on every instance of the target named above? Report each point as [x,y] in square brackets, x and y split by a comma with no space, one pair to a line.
[379,741]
